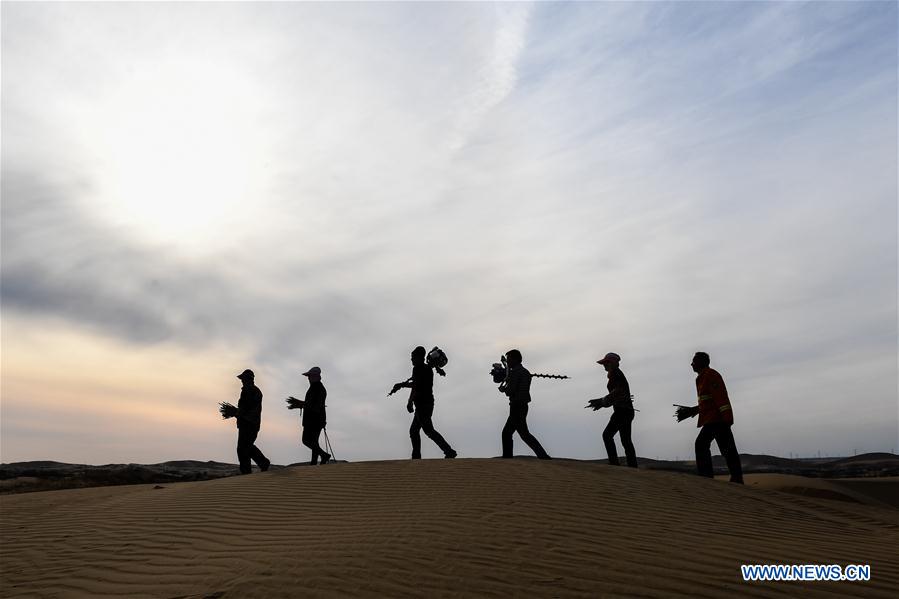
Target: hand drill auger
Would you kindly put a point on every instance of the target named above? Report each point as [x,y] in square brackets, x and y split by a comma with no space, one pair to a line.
[500,372]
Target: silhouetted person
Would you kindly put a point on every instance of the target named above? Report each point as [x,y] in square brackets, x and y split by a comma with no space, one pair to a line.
[619,397]
[715,420]
[421,402]
[314,417]
[518,387]
[249,418]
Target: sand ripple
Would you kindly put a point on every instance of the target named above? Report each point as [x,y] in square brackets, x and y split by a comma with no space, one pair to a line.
[485,528]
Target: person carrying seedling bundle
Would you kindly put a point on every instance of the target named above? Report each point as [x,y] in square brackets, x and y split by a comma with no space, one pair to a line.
[314,417]
[421,400]
[249,419]
[715,420]
[621,401]
[517,386]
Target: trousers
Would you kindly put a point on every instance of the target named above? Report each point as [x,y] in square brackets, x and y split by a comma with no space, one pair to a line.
[247,450]
[518,423]
[620,423]
[722,434]
[421,421]
[311,435]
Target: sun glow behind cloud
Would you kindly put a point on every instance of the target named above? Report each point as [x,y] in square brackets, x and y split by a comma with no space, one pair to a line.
[179,153]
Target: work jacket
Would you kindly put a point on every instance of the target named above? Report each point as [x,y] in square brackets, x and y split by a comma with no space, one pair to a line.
[422,392]
[619,391]
[714,404]
[314,414]
[518,385]
[249,407]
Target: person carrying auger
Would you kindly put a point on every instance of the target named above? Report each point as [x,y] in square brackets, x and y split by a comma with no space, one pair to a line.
[421,403]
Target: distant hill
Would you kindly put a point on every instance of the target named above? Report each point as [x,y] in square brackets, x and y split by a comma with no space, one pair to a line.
[23,477]
[47,475]
[865,465]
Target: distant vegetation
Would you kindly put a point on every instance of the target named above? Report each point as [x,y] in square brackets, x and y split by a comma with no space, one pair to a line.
[22,477]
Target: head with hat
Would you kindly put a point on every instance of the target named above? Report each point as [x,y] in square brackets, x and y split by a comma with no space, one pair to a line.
[610,361]
[247,377]
[313,374]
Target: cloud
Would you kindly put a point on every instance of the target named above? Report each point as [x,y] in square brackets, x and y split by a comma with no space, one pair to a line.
[569,179]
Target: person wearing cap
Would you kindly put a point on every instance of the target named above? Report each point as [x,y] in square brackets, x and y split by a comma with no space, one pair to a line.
[517,387]
[421,403]
[716,417]
[249,419]
[619,398]
[314,418]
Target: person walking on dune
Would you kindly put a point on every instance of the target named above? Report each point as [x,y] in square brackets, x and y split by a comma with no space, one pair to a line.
[621,401]
[249,419]
[716,417]
[421,403]
[517,387]
[314,417]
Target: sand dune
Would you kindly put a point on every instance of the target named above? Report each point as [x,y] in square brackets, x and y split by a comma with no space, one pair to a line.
[445,528]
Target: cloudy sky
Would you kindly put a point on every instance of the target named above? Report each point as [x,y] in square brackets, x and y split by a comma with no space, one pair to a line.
[189,190]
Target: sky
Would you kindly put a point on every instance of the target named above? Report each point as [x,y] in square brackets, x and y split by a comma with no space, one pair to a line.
[193,189]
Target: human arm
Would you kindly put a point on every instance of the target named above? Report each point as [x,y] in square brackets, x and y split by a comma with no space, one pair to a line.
[407,384]
[619,391]
[512,383]
[599,402]
[684,412]
[720,399]
[403,385]
[617,395]
[518,387]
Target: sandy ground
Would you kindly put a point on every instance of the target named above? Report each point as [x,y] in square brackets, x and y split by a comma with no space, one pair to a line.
[445,528]
[883,492]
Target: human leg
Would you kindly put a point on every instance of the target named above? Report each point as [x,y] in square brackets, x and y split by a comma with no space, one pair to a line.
[626,421]
[521,425]
[728,448]
[425,414]
[703,447]
[508,430]
[415,436]
[247,450]
[260,459]
[608,439]
[243,454]
[311,435]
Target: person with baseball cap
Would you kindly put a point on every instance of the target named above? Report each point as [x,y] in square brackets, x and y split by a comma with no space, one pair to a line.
[314,418]
[249,419]
[620,399]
